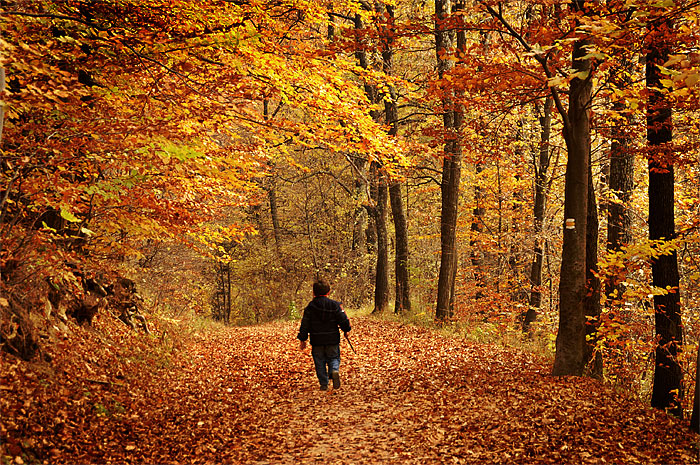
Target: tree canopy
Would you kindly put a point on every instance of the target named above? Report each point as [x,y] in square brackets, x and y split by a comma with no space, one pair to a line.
[526,166]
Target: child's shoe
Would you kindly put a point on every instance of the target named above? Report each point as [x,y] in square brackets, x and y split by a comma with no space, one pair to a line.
[324,387]
[336,379]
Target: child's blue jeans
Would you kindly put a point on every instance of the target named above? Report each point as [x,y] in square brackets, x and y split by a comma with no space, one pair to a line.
[326,360]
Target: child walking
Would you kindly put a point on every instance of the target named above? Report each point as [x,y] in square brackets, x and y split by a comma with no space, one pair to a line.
[321,320]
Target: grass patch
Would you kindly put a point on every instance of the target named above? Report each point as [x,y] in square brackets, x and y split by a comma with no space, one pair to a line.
[540,342]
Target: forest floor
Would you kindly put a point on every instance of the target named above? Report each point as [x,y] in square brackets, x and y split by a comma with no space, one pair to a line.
[249,395]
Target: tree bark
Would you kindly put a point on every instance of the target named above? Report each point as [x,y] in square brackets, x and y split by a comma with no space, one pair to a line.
[381,288]
[695,416]
[370,231]
[621,185]
[667,391]
[402,302]
[272,191]
[274,213]
[592,357]
[229,306]
[541,167]
[476,229]
[452,161]
[403,290]
[2,105]
[571,337]
[359,230]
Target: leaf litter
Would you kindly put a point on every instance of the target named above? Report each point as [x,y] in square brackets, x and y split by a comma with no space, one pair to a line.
[249,395]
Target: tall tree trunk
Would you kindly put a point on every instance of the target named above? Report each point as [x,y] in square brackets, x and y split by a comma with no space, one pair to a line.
[621,184]
[668,376]
[272,190]
[476,229]
[371,92]
[452,162]
[571,337]
[229,306]
[274,212]
[2,105]
[541,167]
[695,416]
[359,229]
[381,288]
[2,123]
[591,357]
[403,301]
[403,289]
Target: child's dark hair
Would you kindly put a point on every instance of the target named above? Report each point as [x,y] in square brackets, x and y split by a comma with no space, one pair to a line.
[321,287]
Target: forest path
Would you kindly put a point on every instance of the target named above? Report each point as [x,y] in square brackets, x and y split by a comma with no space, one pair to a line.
[250,396]
[409,395]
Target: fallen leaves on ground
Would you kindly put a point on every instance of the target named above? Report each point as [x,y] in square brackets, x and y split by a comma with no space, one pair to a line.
[249,395]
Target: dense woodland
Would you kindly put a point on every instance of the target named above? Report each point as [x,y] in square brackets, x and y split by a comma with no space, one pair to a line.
[529,168]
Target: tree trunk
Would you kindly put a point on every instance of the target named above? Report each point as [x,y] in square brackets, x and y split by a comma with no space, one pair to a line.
[2,105]
[402,302]
[403,294]
[381,288]
[476,229]
[228,294]
[668,376]
[370,232]
[451,167]
[274,213]
[359,230]
[272,191]
[695,416]
[571,337]
[592,357]
[541,167]
[621,184]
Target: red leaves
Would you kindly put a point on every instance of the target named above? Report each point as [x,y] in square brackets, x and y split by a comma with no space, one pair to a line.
[242,395]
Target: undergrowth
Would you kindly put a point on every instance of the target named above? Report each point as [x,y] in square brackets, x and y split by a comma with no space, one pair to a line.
[540,342]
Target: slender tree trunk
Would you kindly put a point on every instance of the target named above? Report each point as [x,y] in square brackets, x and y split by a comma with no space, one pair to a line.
[571,337]
[476,229]
[451,167]
[541,167]
[621,184]
[331,25]
[695,416]
[371,232]
[403,291]
[668,376]
[371,92]
[272,191]
[2,124]
[359,230]
[2,105]
[592,357]
[402,302]
[228,293]
[274,213]
[381,288]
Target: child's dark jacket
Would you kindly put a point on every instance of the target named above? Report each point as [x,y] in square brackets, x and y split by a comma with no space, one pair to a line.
[321,320]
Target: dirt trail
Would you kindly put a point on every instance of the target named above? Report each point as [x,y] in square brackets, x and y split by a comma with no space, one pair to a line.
[408,396]
[249,395]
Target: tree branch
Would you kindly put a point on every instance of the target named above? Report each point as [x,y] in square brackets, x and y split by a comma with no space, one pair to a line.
[541,59]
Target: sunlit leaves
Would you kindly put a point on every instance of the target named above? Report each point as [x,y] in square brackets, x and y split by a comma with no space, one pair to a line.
[144,119]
